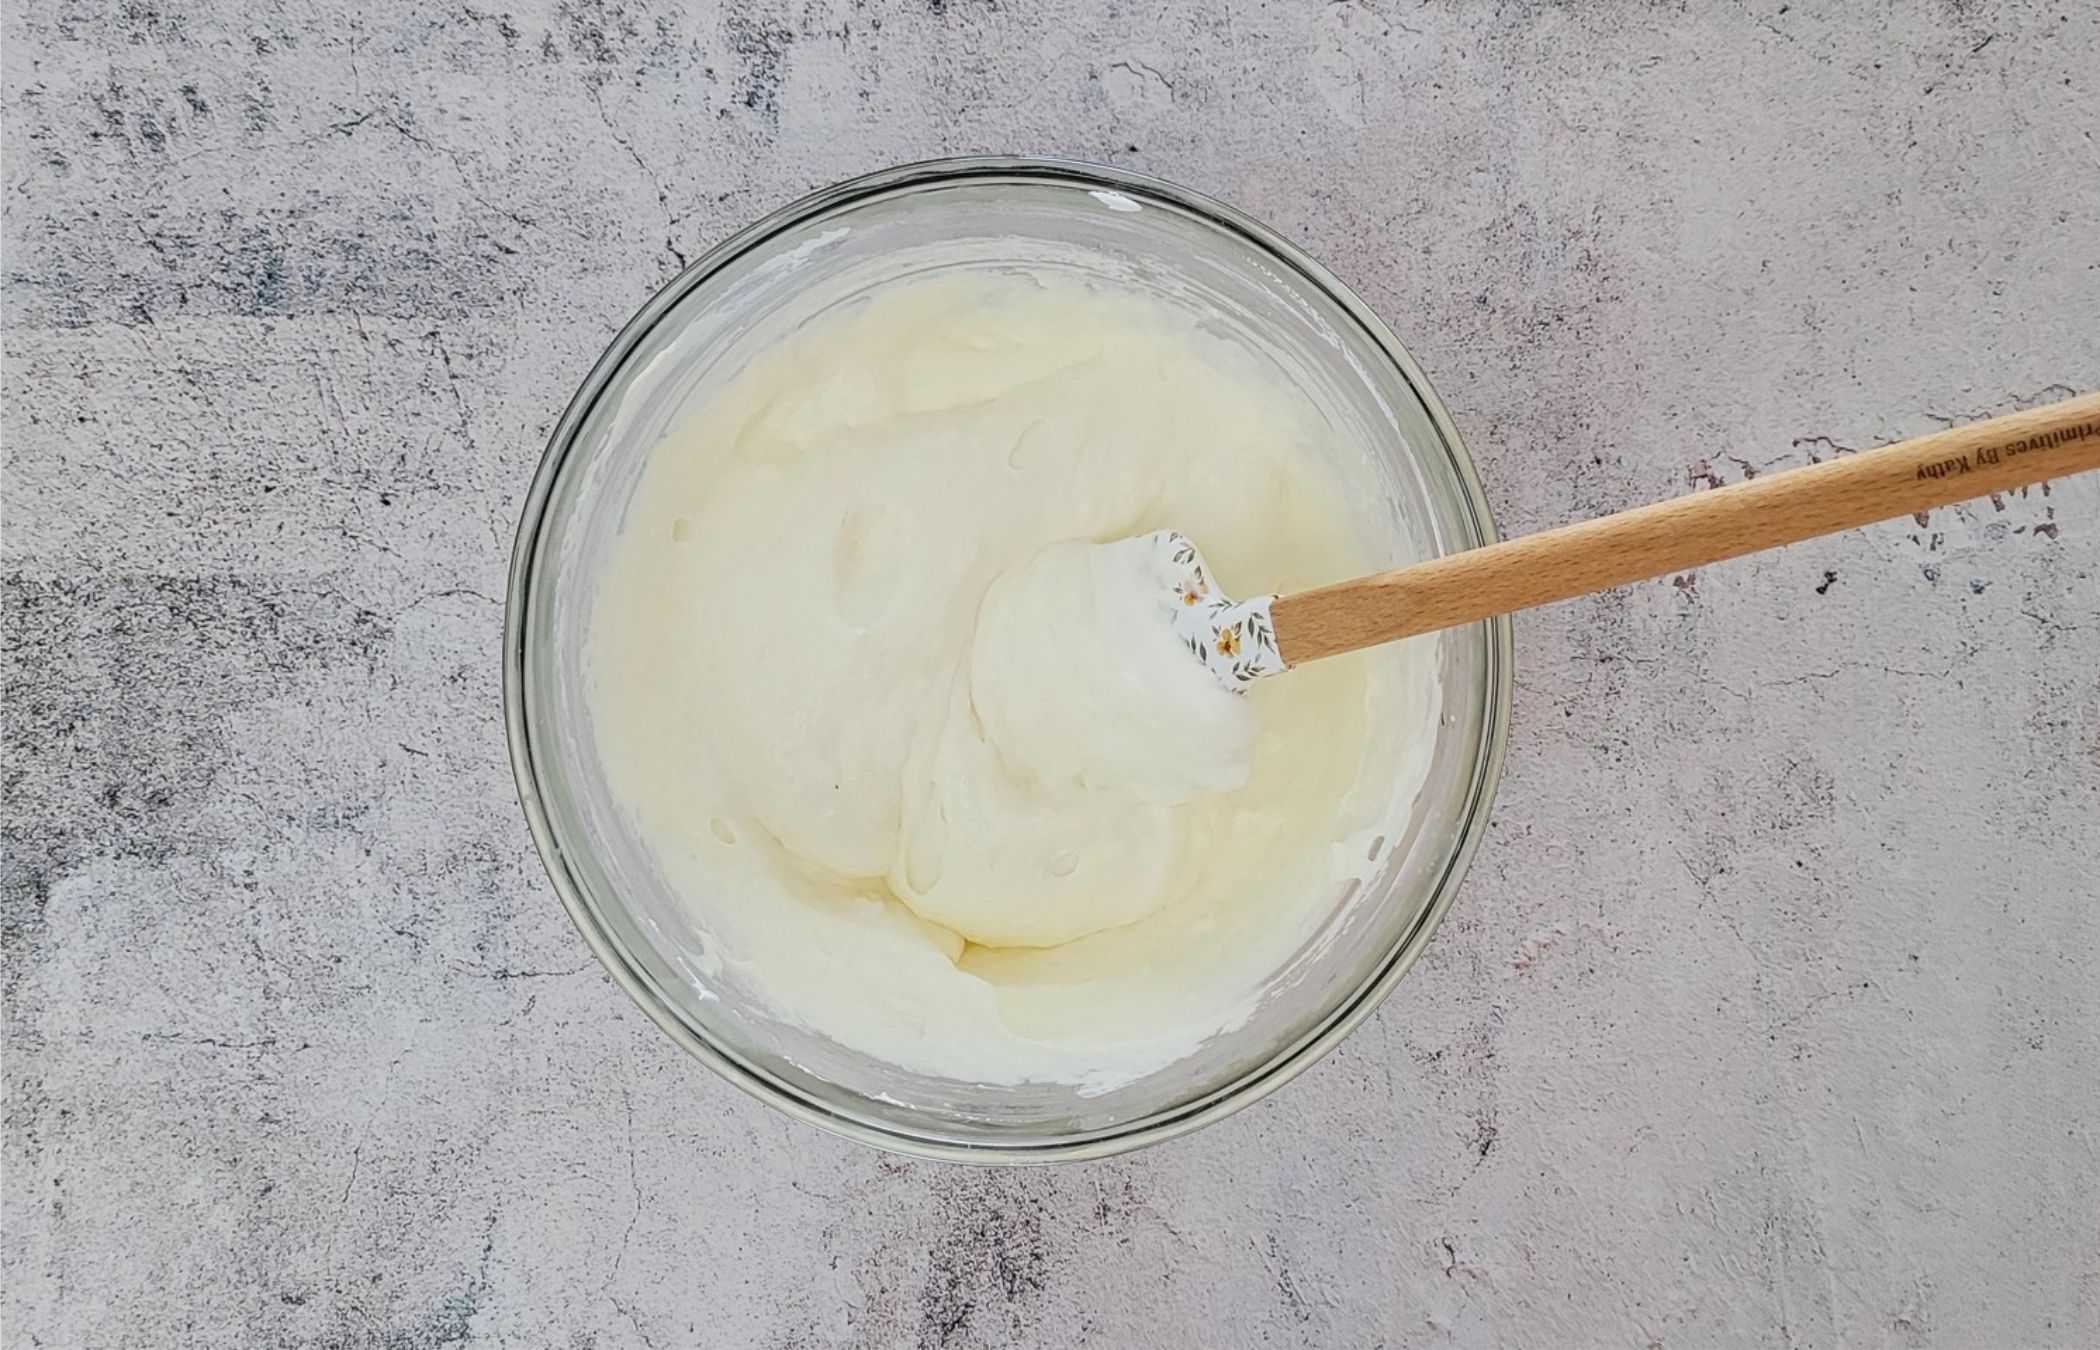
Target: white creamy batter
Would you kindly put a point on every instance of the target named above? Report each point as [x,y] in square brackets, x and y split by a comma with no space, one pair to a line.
[928,778]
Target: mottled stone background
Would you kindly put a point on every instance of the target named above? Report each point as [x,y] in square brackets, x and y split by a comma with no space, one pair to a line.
[1769,1016]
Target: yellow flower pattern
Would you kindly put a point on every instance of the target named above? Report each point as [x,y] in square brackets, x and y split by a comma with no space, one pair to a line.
[1235,641]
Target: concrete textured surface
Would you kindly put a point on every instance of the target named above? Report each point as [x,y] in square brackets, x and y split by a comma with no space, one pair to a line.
[1770,1014]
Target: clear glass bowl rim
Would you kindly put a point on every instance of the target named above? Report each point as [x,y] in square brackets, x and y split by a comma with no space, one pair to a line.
[1170,1122]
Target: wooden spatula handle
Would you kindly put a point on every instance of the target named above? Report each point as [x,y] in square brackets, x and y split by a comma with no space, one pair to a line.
[1673,536]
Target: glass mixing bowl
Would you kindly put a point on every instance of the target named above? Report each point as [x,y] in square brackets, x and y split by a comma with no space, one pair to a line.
[1003,214]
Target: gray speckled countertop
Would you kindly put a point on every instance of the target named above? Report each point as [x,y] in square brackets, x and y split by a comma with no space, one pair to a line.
[1770,1014]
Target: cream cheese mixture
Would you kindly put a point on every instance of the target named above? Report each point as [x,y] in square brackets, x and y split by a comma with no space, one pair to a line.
[927,775]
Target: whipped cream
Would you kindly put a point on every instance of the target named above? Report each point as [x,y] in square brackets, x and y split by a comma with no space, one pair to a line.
[888,702]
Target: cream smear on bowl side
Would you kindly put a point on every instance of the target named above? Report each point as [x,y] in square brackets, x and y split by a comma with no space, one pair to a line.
[840,682]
